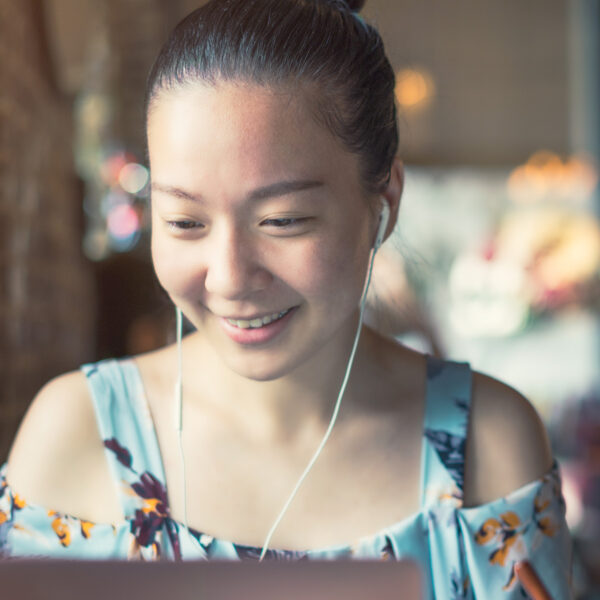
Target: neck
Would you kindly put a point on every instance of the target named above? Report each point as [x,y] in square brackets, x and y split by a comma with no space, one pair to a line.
[287,406]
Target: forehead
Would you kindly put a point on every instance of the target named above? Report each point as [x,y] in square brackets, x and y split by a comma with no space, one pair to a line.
[253,130]
[228,105]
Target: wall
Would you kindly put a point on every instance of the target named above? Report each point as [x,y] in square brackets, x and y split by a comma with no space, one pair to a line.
[46,300]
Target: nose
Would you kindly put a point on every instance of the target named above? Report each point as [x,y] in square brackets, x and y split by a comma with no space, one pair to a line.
[233,267]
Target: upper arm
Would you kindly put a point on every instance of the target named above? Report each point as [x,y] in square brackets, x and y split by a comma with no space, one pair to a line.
[507,443]
[57,459]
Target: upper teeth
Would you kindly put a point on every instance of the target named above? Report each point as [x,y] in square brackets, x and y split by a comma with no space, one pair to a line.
[255,323]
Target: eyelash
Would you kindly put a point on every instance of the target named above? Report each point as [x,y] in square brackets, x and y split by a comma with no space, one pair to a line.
[281,223]
[184,225]
[285,222]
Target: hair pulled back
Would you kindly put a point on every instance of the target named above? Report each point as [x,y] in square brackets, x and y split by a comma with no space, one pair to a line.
[322,43]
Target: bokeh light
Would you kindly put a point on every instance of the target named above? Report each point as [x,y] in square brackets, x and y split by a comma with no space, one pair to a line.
[546,176]
[415,88]
[133,178]
[123,224]
[112,166]
[96,244]
[488,296]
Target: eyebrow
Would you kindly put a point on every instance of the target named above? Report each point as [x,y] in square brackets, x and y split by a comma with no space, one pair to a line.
[281,188]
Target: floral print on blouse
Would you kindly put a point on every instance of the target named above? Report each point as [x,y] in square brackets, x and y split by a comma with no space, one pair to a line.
[465,553]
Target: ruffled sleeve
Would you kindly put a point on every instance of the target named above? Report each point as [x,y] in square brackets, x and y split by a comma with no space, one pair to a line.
[27,530]
[472,552]
[528,524]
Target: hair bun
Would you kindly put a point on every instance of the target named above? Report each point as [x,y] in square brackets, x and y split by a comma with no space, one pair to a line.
[355,5]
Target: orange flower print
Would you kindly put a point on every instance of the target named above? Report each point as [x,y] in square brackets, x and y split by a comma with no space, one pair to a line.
[507,532]
[500,555]
[511,519]
[503,531]
[18,502]
[152,505]
[488,531]
[547,526]
[61,529]
[86,529]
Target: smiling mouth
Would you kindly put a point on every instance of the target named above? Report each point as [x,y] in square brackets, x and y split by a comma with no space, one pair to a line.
[259,322]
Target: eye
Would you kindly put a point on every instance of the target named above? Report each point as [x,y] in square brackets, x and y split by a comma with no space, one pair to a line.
[184,224]
[285,222]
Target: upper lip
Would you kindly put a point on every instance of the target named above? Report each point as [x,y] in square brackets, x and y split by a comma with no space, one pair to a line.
[257,316]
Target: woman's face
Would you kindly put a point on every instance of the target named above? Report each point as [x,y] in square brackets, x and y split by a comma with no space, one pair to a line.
[260,228]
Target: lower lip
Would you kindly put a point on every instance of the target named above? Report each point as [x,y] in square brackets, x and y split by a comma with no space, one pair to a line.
[260,335]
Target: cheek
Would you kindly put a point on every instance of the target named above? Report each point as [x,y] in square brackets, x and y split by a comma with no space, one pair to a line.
[174,269]
[331,272]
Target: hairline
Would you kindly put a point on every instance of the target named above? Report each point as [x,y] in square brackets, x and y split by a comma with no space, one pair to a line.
[297,86]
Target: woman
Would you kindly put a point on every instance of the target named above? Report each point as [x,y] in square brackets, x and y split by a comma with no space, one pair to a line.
[272,141]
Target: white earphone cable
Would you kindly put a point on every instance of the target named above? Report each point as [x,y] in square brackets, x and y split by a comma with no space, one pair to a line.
[179,409]
[333,417]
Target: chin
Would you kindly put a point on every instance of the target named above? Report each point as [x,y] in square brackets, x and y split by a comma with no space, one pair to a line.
[266,364]
[259,370]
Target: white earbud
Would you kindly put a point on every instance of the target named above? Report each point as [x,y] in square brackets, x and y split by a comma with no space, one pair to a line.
[384,218]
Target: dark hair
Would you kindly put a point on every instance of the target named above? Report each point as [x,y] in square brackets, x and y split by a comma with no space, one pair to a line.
[322,43]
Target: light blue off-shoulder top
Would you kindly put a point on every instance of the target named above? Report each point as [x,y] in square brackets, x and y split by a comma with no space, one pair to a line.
[463,552]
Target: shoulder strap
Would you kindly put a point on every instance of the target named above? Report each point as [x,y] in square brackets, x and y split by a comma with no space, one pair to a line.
[126,427]
[447,407]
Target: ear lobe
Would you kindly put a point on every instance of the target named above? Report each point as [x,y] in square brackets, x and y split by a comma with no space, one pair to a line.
[393,193]
[384,219]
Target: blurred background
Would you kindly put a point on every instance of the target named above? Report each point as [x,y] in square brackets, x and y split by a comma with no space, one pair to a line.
[495,260]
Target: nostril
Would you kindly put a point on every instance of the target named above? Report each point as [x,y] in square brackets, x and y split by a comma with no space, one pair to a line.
[236,280]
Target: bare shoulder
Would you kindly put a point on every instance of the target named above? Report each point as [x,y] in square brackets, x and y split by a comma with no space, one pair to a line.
[57,459]
[507,444]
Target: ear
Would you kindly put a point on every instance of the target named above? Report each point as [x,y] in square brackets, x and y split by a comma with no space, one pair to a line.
[393,193]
